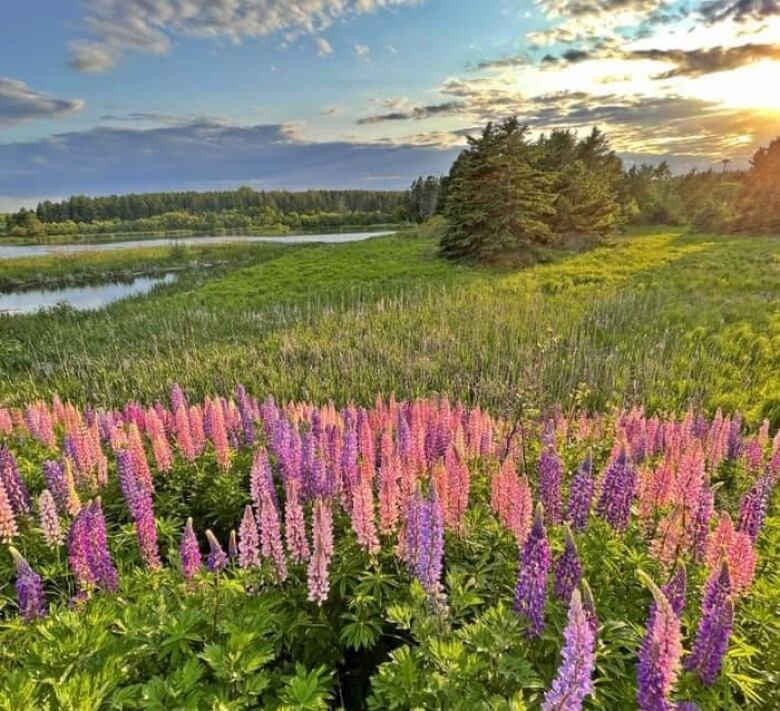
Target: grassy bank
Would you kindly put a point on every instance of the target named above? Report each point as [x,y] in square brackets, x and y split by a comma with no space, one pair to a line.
[88,267]
[662,317]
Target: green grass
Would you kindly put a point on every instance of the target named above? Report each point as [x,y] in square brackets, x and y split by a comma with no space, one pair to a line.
[663,318]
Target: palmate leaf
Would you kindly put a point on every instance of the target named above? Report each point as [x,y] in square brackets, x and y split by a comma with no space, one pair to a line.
[360,633]
[306,690]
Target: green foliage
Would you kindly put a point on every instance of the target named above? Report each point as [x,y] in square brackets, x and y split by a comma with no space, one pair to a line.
[758,208]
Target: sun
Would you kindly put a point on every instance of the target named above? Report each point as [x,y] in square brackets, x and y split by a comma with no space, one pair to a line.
[752,87]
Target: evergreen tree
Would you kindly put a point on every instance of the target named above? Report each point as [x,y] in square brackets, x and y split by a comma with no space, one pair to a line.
[497,201]
[758,206]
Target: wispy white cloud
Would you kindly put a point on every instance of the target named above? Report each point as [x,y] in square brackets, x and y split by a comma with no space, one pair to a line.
[361,50]
[114,27]
[20,103]
[324,48]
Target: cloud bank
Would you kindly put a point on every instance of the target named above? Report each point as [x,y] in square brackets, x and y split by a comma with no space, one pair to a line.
[20,103]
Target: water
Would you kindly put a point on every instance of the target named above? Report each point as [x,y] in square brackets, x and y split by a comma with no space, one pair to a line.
[79,297]
[37,250]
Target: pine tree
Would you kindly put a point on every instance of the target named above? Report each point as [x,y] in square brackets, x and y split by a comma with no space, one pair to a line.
[497,200]
[758,207]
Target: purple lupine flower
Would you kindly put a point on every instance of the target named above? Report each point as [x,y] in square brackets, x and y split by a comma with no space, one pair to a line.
[676,590]
[29,589]
[753,508]
[15,490]
[573,681]
[617,493]
[531,589]
[581,495]
[178,398]
[247,415]
[248,541]
[100,559]
[139,502]
[700,529]
[735,437]
[550,480]
[568,569]
[217,558]
[54,474]
[430,555]
[49,519]
[659,655]
[717,588]
[712,640]
[189,552]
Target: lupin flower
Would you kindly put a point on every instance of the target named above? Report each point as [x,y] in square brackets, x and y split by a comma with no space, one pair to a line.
[29,589]
[295,524]
[88,554]
[589,606]
[659,655]
[362,513]
[232,545]
[189,552]
[573,681]
[424,542]
[15,490]
[531,589]
[617,493]
[753,508]
[581,495]
[8,527]
[712,640]
[217,558]
[248,540]
[322,538]
[568,569]
[49,520]
[550,480]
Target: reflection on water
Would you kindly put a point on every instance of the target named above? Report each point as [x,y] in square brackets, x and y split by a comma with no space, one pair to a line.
[36,250]
[79,297]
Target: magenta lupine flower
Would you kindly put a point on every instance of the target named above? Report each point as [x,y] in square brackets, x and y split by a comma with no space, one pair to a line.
[573,680]
[79,552]
[322,537]
[8,527]
[217,558]
[139,502]
[581,495]
[531,589]
[550,480]
[29,589]
[189,552]
[49,520]
[618,489]
[659,655]
[568,569]
[248,541]
[15,490]
[712,640]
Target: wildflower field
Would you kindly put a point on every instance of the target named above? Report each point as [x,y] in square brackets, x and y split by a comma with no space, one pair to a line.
[550,487]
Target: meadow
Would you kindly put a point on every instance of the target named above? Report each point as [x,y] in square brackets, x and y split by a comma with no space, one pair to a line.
[409,484]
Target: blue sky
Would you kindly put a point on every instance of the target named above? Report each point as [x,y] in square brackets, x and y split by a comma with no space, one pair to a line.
[102,96]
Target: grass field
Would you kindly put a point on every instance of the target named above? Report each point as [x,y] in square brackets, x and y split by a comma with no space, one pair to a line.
[660,317]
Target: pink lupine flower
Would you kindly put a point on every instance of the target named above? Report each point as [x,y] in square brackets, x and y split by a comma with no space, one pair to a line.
[659,655]
[362,514]
[511,501]
[322,537]
[183,435]
[197,429]
[295,523]
[137,452]
[217,433]
[248,541]
[389,493]
[49,520]
[8,527]
[271,536]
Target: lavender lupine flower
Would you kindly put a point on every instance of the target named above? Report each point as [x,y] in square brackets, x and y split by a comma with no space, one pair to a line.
[248,541]
[617,493]
[712,640]
[100,557]
[573,681]
[247,415]
[139,501]
[581,495]
[430,554]
[29,589]
[535,561]
[676,590]
[659,655]
[700,529]
[217,558]
[717,588]
[15,489]
[54,475]
[753,508]
[189,552]
[589,605]
[550,480]
[49,520]
[568,569]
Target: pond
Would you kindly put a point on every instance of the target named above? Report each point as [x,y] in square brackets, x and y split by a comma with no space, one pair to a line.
[36,250]
[95,296]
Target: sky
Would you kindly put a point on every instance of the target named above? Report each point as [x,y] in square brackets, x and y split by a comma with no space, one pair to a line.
[111,96]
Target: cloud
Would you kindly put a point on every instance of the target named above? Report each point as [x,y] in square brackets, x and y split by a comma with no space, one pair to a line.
[114,27]
[740,10]
[20,103]
[206,155]
[361,50]
[415,112]
[696,62]
[324,48]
